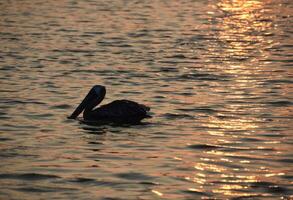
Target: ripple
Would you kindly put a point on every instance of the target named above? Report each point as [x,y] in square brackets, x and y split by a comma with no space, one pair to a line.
[90,181]
[94,32]
[276,81]
[199,109]
[34,189]
[204,77]
[42,189]
[149,183]
[196,192]
[13,102]
[177,116]
[204,146]
[61,106]
[83,180]
[270,187]
[134,176]
[280,103]
[74,50]
[179,56]
[28,176]
[4,139]
[286,160]
[227,148]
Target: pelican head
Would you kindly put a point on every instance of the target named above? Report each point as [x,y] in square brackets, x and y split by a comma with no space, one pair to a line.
[91,100]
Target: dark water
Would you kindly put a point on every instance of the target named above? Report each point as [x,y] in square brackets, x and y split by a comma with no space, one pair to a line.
[217,74]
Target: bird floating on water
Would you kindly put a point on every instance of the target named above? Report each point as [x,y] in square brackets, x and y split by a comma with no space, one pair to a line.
[118,111]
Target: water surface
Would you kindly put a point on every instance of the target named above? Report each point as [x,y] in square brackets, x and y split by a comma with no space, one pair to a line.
[217,75]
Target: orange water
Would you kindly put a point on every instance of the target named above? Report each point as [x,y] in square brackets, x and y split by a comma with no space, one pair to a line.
[217,75]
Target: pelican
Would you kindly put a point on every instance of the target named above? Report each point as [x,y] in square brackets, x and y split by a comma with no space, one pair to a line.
[118,111]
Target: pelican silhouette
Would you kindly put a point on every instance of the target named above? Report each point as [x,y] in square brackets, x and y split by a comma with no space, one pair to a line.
[118,111]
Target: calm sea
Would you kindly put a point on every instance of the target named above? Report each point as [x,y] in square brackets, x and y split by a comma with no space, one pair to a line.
[216,73]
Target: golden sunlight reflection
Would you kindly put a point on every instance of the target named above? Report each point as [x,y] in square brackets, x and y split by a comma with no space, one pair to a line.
[231,187]
[209,167]
[157,193]
[233,124]
[195,190]
[243,29]
[198,180]
[239,178]
[228,190]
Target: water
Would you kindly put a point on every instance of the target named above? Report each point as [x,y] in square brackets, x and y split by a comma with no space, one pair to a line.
[217,75]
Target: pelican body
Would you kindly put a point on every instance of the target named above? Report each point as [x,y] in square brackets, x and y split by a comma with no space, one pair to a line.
[118,111]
